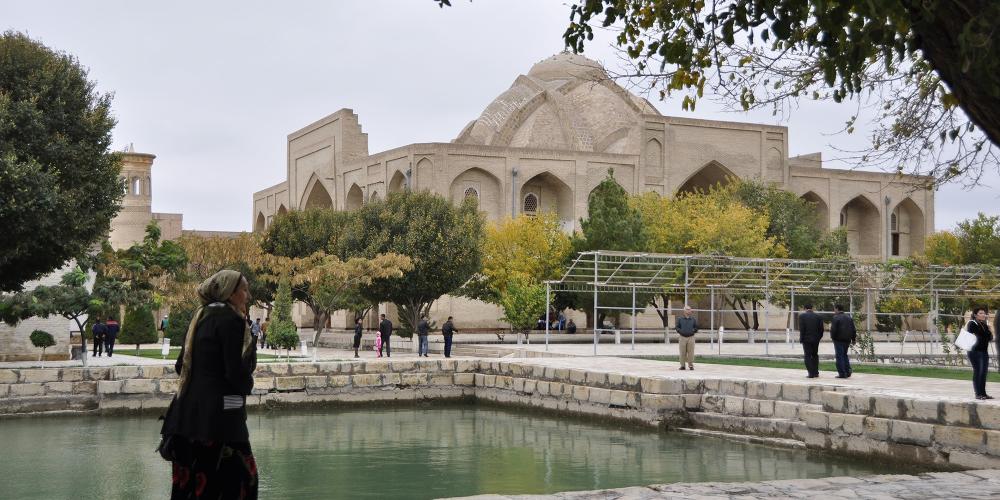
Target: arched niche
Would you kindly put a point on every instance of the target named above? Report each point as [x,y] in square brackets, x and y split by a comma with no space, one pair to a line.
[654,156]
[487,187]
[260,224]
[552,194]
[822,210]
[318,197]
[864,235]
[282,210]
[355,198]
[374,197]
[907,229]
[397,183]
[707,177]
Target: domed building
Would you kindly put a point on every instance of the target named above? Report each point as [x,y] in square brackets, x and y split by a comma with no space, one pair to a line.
[546,142]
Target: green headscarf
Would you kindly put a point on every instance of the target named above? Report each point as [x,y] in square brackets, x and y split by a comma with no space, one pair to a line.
[218,288]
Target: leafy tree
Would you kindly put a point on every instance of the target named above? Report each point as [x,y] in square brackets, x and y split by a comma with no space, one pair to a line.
[282,332]
[943,248]
[611,224]
[443,241]
[207,256]
[70,299]
[526,247]
[927,70]
[177,327]
[145,268]
[979,240]
[139,327]
[522,301]
[58,179]
[43,340]
[792,221]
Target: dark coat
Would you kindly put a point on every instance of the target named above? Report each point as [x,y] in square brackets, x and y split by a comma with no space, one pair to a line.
[358,329]
[423,328]
[112,327]
[687,327]
[982,333]
[385,329]
[218,369]
[448,329]
[571,328]
[810,327]
[842,328]
[99,331]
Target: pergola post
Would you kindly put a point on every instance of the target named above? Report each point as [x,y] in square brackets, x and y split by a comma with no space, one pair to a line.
[548,305]
[596,315]
[711,317]
[633,317]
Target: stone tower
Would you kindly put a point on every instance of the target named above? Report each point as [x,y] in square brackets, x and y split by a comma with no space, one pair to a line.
[129,226]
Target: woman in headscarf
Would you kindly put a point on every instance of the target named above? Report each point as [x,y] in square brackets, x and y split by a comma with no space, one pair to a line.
[210,449]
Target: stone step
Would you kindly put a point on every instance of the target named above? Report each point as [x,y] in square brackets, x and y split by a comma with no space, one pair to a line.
[760,426]
[753,407]
[48,404]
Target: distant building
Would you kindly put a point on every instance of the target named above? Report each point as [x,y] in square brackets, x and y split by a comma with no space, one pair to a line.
[548,140]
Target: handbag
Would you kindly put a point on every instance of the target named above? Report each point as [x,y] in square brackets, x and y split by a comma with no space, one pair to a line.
[966,340]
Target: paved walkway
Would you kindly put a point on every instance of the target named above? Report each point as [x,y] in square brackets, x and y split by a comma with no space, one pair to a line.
[951,485]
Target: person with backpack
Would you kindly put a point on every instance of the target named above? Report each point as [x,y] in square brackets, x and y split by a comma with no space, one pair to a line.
[99,331]
[844,334]
[111,334]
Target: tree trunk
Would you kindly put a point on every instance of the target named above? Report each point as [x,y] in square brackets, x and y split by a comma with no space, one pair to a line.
[740,312]
[319,321]
[938,37]
[83,341]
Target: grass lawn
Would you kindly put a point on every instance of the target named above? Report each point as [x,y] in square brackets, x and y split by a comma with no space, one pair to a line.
[829,366]
[156,354]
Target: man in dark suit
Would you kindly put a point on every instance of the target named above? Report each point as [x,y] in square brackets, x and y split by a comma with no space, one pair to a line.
[385,331]
[810,333]
[111,335]
[843,334]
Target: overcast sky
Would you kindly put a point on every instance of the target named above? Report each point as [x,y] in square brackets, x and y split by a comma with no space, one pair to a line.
[213,88]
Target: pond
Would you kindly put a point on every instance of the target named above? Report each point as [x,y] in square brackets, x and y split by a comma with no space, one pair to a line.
[410,452]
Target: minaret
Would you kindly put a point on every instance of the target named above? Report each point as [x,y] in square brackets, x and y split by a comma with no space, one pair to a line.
[129,226]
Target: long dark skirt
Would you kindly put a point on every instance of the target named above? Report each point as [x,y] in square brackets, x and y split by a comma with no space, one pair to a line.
[214,470]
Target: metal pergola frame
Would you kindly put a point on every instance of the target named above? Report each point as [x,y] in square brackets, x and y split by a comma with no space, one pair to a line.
[683,275]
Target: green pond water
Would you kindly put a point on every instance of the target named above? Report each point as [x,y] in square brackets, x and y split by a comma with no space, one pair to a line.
[395,453]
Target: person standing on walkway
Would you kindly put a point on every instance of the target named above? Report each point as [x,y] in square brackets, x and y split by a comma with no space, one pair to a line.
[164,323]
[358,330]
[99,331]
[843,334]
[686,327]
[448,329]
[256,329]
[385,333]
[263,331]
[207,420]
[810,333]
[110,335]
[979,356]
[423,328]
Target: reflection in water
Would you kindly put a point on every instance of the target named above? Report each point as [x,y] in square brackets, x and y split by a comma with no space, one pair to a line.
[394,453]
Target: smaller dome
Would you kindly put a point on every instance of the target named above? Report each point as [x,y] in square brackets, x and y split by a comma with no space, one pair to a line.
[566,65]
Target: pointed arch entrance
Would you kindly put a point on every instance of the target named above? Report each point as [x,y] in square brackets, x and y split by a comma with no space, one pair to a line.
[861,218]
[260,224]
[318,197]
[547,193]
[712,174]
[398,183]
[355,198]
[906,227]
[822,210]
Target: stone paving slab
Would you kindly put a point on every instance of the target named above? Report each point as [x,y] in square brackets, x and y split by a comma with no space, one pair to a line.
[913,387]
[951,485]
[704,348]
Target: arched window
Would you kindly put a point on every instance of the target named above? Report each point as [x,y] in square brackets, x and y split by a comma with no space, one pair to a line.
[136,186]
[892,222]
[843,217]
[472,193]
[530,204]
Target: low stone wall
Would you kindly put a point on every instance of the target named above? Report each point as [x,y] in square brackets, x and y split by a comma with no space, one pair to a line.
[835,418]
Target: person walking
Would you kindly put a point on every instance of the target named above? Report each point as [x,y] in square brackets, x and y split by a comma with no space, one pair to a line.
[163,323]
[810,333]
[111,329]
[448,329]
[263,331]
[843,334]
[358,330]
[423,328]
[687,326]
[385,332]
[205,425]
[99,331]
[256,329]
[979,355]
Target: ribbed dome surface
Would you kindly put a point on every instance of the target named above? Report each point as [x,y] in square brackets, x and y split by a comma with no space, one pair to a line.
[564,102]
